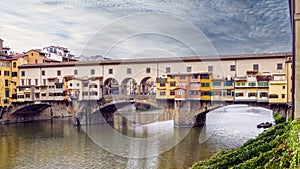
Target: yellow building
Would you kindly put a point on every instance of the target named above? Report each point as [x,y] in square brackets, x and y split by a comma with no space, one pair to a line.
[165,87]
[35,56]
[278,89]
[205,86]
[5,82]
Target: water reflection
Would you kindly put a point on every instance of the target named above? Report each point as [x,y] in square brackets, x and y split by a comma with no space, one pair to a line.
[58,144]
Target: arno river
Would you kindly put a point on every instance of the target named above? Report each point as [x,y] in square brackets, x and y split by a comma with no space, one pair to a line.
[59,144]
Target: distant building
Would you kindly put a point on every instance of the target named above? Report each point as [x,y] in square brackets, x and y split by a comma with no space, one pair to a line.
[58,53]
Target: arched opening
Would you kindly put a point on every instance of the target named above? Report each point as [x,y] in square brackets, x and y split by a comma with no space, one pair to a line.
[147,86]
[111,87]
[129,86]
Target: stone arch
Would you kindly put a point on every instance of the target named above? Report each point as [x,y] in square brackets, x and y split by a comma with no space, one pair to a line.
[128,86]
[147,86]
[111,87]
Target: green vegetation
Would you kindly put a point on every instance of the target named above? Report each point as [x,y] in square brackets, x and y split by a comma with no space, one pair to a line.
[277,147]
[279,118]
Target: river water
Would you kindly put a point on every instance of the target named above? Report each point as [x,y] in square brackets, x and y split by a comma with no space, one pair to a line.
[59,144]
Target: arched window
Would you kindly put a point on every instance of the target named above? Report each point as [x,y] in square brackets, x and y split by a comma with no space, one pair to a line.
[14,64]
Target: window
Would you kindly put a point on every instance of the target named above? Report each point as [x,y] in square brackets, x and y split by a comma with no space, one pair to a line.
[22,73]
[128,70]
[204,84]
[216,83]
[193,84]
[162,93]
[43,72]
[7,93]
[173,84]
[92,71]
[85,84]
[279,66]
[168,70]
[273,96]
[195,76]
[14,74]
[182,77]
[75,72]
[14,65]
[110,71]
[205,93]
[148,70]
[204,76]
[6,82]
[210,68]
[239,94]
[162,85]
[189,69]
[6,73]
[27,95]
[77,84]
[36,61]
[255,67]
[22,82]
[93,93]
[85,93]
[232,67]
[36,82]
[228,83]
[44,81]
[58,73]
[172,93]
[262,84]
[29,82]
[70,84]
[59,86]
[7,64]
[283,87]
[283,96]
[251,84]
[179,93]
[263,94]
[251,94]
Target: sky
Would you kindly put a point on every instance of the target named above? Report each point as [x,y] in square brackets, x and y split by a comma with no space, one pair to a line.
[157,28]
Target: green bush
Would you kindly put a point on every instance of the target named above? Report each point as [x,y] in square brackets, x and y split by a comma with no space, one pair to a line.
[279,118]
[276,147]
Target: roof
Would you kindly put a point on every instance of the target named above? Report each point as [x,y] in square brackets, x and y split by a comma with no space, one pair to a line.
[163,60]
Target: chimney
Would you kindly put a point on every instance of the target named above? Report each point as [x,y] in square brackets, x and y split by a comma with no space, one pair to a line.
[1,46]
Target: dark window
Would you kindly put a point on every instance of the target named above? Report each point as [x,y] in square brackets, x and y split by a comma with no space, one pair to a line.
[204,76]
[162,93]
[58,73]
[172,93]
[7,93]
[36,82]
[110,71]
[6,82]
[92,71]
[162,85]
[6,73]
[172,84]
[255,67]
[22,82]
[22,73]
[273,96]
[279,66]
[85,84]
[228,83]
[232,67]
[14,65]
[168,70]
[283,96]
[14,74]
[44,81]
[29,82]
[128,70]
[148,70]
[189,69]
[43,72]
[216,83]
[210,68]
[75,72]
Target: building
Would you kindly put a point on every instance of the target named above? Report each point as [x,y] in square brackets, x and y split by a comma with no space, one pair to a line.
[278,89]
[57,53]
